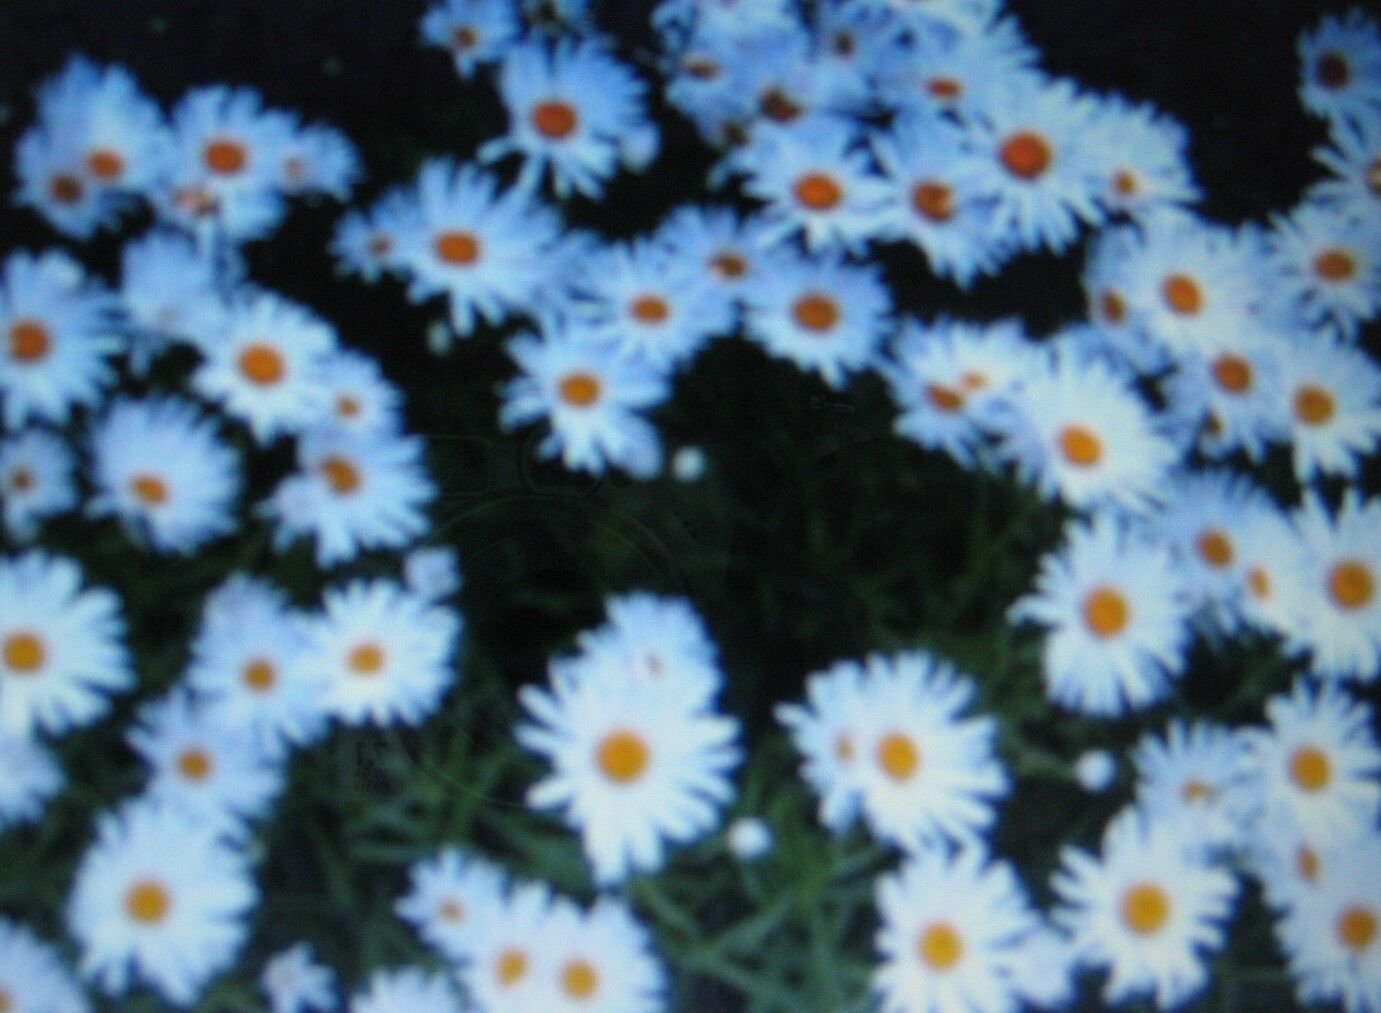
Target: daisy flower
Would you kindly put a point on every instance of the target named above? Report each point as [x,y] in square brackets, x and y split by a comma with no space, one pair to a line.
[57,330]
[36,475]
[487,251]
[159,466]
[815,179]
[1332,394]
[726,250]
[473,32]
[432,573]
[217,776]
[825,315]
[851,42]
[1109,282]
[449,900]
[826,729]
[1116,610]
[264,369]
[1143,159]
[317,159]
[361,401]
[407,988]
[925,773]
[948,378]
[33,979]
[1342,626]
[1327,267]
[601,958]
[61,647]
[938,199]
[352,494]
[1192,779]
[173,924]
[223,162]
[247,664]
[1038,162]
[651,304]
[571,107]
[504,974]
[1231,396]
[1079,432]
[385,656]
[29,778]
[592,397]
[1329,932]
[47,167]
[943,71]
[953,927]
[1355,162]
[1275,564]
[294,982]
[1340,68]
[369,243]
[632,766]
[1144,910]
[1317,764]
[170,291]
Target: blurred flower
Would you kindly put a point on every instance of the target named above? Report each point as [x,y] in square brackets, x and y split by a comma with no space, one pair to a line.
[293,982]
[32,977]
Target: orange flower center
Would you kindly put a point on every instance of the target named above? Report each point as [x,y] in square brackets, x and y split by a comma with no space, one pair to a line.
[1351,585]
[1356,927]
[1335,265]
[1214,548]
[1232,373]
[149,489]
[225,156]
[817,191]
[463,37]
[702,68]
[29,341]
[1080,446]
[1182,294]
[554,119]
[1259,582]
[729,265]
[1025,155]
[259,676]
[1310,769]
[939,946]
[579,979]
[340,474]
[815,312]
[262,364]
[898,756]
[934,201]
[945,88]
[1195,791]
[194,764]
[148,902]
[24,653]
[64,188]
[1145,908]
[366,659]
[105,165]
[1106,612]
[843,748]
[650,309]
[1124,183]
[511,967]
[778,107]
[459,249]
[623,756]
[580,389]
[1313,405]
[452,910]
[944,399]
[347,407]
[1113,307]
[1307,863]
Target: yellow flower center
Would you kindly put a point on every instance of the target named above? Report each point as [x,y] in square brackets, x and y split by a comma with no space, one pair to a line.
[817,191]
[1357,928]
[510,967]
[1182,294]
[340,474]
[1313,405]
[940,946]
[1310,769]
[622,756]
[1080,446]
[1145,908]
[1351,585]
[1214,548]
[194,764]
[579,979]
[1106,612]
[898,756]
[262,364]
[147,902]
[366,659]
[259,676]
[580,389]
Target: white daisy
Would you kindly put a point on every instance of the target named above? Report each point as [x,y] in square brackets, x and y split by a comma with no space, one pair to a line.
[352,494]
[265,368]
[1109,283]
[450,899]
[1274,562]
[1116,609]
[1340,68]
[360,400]
[173,924]
[510,960]
[29,778]
[591,395]
[1193,779]
[1355,161]
[1342,620]
[294,982]
[57,330]
[1144,911]
[1143,159]
[1332,394]
[727,250]
[386,657]
[598,959]
[826,730]
[953,927]
[33,979]
[171,291]
[61,647]
[471,31]
[159,466]
[36,476]
[1317,765]
[370,242]
[317,159]
[408,988]
[1327,267]
[632,766]
[958,73]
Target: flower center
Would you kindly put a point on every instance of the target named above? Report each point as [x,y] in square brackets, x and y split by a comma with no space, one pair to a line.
[366,659]
[1124,183]
[1233,373]
[1307,863]
[340,474]
[262,364]
[1374,176]
[554,119]
[579,979]
[1080,446]
[944,399]
[510,967]
[1356,927]
[24,653]
[29,341]
[105,165]
[729,265]
[940,946]
[1350,584]
[817,191]
[622,756]
[933,201]
[64,188]
[580,389]
[1335,265]
[451,910]
[194,764]
[1214,548]
[148,902]
[1145,908]
[1309,769]
[944,88]
[815,312]
[702,68]
[1113,307]
[347,407]
[1331,70]
[22,479]
[779,108]
[149,489]
[898,756]
[225,156]
[1181,293]
[259,676]
[196,201]
[1195,791]
[1106,612]
[380,244]
[1259,583]
[650,309]
[459,249]
[463,37]
[1313,405]
[843,748]
[1025,155]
